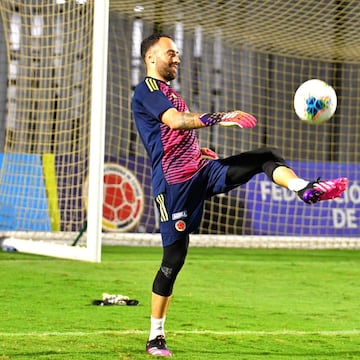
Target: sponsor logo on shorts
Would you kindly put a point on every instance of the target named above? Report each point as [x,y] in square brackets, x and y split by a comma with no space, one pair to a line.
[180,225]
[179,215]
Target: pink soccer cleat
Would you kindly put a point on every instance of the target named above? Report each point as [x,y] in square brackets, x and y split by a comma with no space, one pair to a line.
[319,190]
[157,347]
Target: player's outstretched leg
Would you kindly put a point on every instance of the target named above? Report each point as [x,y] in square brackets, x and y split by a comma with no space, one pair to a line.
[157,347]
[320,190]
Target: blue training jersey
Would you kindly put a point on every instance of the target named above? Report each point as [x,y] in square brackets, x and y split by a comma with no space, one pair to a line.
[175,154]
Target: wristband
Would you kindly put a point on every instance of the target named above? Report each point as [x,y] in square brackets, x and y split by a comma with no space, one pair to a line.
[210,119]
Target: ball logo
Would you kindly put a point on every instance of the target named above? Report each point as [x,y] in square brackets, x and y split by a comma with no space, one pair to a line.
[180,225]
[123,201]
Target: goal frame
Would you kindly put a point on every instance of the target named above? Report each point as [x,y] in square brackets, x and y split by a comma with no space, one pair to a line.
[31,243]
[86,244]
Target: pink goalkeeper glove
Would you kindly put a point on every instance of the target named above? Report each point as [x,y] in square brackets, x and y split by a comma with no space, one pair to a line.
[208,154]
[239,118]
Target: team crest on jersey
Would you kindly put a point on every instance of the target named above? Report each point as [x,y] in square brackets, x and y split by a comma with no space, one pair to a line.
[180,225]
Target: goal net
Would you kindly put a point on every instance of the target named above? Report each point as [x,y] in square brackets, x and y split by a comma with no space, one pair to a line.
[54,126]
[235,55]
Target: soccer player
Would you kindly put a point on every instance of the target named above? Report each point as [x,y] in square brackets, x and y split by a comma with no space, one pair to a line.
[184,175]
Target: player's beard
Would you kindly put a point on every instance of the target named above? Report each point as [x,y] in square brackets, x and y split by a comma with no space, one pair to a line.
[168,73]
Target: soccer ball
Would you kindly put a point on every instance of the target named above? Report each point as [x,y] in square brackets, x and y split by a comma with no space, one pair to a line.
[315,101]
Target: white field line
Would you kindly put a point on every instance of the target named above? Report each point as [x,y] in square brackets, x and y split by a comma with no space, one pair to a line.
[195,332]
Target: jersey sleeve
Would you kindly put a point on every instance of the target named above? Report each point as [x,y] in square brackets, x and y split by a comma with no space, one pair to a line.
[153,99]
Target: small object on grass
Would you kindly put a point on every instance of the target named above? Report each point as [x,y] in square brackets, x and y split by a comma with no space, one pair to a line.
[109,299]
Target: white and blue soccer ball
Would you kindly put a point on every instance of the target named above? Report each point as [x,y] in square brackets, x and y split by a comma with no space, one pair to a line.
[315,101]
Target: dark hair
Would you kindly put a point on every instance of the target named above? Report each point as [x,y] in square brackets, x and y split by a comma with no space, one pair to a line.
[151,40]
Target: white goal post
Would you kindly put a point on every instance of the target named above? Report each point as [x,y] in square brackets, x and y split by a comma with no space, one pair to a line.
[44,243]
[97,129]
[73,172]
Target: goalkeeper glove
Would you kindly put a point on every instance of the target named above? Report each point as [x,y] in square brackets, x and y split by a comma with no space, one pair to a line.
[239,118]
[208,154]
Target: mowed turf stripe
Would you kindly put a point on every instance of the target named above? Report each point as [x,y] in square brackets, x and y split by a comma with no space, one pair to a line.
[195,332]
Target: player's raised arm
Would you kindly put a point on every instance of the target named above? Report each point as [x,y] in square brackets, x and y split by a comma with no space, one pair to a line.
[187,120]
[178,120]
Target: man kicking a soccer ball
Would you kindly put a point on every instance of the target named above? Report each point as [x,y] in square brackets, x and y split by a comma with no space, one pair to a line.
[182,178]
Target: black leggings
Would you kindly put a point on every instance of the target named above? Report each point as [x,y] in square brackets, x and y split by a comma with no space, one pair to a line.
[173,260]
[247,164]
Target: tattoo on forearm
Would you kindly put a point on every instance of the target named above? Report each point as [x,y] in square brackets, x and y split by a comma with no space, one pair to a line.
[189,121]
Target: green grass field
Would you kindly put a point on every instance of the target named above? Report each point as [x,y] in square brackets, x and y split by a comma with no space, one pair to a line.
[227,304]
